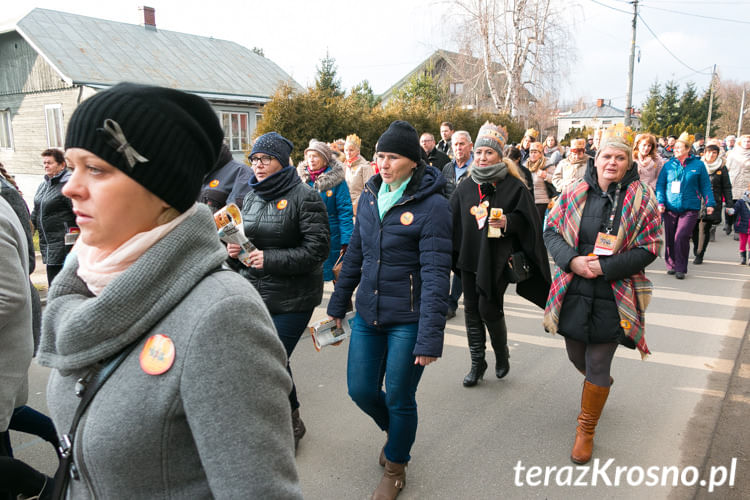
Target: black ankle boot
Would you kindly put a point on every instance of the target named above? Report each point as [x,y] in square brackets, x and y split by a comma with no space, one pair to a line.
[743,258]
[298,427]
[476,373]
[499,338]
[476,337]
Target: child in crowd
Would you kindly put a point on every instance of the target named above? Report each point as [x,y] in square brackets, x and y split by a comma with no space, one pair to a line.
[742,223]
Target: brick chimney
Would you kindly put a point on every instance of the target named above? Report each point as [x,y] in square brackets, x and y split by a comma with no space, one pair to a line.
[149,17]
[599,103]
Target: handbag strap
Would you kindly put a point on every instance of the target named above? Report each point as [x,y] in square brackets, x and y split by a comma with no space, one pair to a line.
[86,390]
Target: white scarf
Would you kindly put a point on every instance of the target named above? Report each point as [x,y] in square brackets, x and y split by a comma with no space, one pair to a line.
[713,167]
[98,268]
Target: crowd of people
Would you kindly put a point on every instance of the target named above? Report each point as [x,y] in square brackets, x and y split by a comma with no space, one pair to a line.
[145,299]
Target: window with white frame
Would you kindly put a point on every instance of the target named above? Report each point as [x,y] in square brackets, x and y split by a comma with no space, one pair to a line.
[54,117]
[6,135]
[236,130]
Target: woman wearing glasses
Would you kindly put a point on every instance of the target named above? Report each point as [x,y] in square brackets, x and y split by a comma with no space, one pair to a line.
[286,220]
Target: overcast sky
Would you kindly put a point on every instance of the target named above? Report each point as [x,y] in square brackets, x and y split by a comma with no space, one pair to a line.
[383,40]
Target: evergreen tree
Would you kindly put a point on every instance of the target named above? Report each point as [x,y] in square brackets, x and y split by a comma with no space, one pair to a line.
[650,118]
[327,81]
[669,109]
[363,95]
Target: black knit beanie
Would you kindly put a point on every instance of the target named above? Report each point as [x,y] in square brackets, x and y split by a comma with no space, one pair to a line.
[402,139]
[273,144]
[164,139]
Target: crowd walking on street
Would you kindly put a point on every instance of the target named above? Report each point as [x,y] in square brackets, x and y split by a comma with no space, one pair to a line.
[146,299]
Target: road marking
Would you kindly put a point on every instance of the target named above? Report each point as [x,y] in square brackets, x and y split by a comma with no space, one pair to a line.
[700,324]
[716,365]
[680,296]
[738,398]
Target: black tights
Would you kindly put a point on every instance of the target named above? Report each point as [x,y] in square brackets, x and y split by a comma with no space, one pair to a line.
[595,360]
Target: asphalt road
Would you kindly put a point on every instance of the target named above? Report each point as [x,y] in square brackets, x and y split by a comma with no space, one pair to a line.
[671,410]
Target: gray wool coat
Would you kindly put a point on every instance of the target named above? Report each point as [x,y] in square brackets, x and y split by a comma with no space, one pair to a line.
[16,344]
[217,423]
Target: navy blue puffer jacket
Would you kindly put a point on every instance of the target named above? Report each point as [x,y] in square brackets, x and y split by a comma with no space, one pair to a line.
[401,264]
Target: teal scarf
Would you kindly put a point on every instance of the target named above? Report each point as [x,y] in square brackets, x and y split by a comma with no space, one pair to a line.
[388,198]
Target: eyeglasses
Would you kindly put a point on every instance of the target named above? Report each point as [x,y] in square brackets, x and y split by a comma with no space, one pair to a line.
[265,160]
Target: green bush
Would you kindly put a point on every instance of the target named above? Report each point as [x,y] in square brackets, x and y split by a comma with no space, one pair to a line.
[301,116]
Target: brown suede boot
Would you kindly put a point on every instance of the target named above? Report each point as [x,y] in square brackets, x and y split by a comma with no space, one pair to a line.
[593,399]
[381,458]
[394,479]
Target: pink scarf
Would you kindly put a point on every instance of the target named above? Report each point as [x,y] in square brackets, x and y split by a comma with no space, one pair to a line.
[97,268]
[315,173]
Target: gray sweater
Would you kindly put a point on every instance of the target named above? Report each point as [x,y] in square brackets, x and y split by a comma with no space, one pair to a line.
[15,315]
[217,423]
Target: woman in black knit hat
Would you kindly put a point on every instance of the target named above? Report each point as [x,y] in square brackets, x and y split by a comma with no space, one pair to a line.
[286,220]
[161,360]
[399,256]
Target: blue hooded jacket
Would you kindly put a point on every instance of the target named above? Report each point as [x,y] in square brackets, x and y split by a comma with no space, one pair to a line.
[694,185]
[402,263]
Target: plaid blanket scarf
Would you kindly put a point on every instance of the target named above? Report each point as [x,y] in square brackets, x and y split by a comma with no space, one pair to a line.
[640,227]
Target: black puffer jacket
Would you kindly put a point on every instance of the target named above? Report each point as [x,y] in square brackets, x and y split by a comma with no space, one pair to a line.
[287,220]
[53,217]
[722,189]
[589,312]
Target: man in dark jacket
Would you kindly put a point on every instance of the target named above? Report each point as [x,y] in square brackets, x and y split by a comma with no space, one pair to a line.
[226,183]
[454,172]
[434,156]
[446,132]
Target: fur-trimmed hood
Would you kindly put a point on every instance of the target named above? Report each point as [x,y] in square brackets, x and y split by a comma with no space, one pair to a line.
[331,177]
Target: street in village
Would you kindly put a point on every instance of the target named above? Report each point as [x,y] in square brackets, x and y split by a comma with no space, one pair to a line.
[685,406]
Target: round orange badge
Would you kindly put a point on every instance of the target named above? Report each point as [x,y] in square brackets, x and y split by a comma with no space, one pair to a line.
[281,205]
[407,218]
[329,193]
[213,183]
[625,324]
[157,356]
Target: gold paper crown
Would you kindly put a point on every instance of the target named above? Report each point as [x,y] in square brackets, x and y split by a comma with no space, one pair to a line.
[354,139]
[532,132]
[618,133]
[686,138]
[492,135]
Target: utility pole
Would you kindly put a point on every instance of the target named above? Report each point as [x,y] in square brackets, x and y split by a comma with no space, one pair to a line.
[629,102]
[742,112]
[710,103]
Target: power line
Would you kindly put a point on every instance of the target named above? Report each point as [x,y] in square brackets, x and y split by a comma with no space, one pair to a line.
[610,7]
[667,48]
[697,15]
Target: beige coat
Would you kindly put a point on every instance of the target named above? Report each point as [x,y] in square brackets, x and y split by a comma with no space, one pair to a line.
[357,175]
[738,164]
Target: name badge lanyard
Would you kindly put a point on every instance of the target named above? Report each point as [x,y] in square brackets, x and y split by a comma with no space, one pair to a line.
[613,212]
[605,242]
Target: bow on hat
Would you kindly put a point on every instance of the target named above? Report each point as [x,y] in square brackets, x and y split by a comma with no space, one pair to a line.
[116,138]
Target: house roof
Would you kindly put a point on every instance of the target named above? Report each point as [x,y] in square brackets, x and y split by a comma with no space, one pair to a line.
[452,60]
[90,51]
[604,111]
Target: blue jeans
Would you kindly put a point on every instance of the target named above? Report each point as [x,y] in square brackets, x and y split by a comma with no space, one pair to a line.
[377,353]
[290,327]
